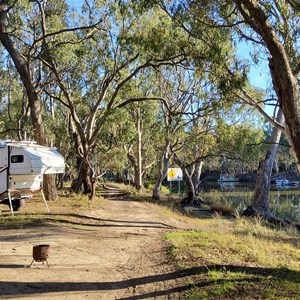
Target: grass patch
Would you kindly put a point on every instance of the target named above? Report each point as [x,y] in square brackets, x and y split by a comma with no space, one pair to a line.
[21,221]
[68,209]
[237,259]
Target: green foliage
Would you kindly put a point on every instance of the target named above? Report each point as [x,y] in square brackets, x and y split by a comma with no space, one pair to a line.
[15,119]
[240,146]
[155,36]
[164,190]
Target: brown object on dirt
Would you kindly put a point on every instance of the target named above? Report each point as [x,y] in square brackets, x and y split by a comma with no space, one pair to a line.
[40,253]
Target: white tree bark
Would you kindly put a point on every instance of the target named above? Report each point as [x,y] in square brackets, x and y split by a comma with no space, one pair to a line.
[260,202]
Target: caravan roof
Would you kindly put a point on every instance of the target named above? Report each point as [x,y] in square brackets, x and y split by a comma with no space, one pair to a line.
[5,143]
[37,159]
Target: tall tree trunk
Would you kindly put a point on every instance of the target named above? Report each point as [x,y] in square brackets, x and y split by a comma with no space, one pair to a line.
[197,175]
[290,109]
[22,67]
[139,180]
[133,163]
[83,182]
[50,189]
[164,163]
[136,162]
[260,202]
[197,169]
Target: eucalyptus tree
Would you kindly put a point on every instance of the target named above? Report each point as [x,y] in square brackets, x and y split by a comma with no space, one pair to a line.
[217,135]
[116,132]
[187,121]
[273,26]
[260,203]
[168,85]
[89,77]
[127,143]
[177,89]
[211,52]
[140,148]
[137,132]
[18,35]
[10,43]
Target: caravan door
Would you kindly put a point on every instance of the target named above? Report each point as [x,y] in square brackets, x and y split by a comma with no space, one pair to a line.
[3,168]
[3,179]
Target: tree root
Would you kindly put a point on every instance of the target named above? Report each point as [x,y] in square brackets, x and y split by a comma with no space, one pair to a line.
[194,201]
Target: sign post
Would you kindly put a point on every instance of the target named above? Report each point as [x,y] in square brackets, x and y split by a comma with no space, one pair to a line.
[174,174]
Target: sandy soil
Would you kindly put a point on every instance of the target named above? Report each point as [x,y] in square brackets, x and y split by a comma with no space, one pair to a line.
[117,252]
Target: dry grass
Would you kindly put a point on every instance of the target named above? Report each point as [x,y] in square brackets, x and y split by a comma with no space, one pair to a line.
[237,257]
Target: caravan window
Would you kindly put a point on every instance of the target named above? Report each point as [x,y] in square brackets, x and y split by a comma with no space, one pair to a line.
[17,158]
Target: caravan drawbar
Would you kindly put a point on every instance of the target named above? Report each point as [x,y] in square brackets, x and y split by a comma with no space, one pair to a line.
[22,166]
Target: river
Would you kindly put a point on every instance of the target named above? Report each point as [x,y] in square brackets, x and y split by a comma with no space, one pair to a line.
[284,201]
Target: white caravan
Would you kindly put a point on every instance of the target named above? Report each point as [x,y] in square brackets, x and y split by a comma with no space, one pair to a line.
[22,165]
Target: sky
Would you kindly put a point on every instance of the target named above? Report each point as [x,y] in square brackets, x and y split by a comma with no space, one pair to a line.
[259,75]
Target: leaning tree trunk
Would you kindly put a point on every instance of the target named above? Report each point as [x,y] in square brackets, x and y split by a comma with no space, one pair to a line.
[133,163]
[260,202]
[22,67]
[190,186]
[288,96]
[284,74]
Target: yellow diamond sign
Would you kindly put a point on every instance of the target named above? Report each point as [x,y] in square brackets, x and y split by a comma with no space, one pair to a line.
[171,174]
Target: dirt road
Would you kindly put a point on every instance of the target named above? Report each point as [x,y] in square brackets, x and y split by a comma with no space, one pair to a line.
[117,252]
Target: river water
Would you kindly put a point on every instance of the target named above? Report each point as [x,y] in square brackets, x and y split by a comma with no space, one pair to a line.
[284,201]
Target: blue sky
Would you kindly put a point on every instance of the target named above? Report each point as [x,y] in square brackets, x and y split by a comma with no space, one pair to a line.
[259,73]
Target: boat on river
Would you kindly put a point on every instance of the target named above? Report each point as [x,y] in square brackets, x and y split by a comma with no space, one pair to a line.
[285,182]
[227,178]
